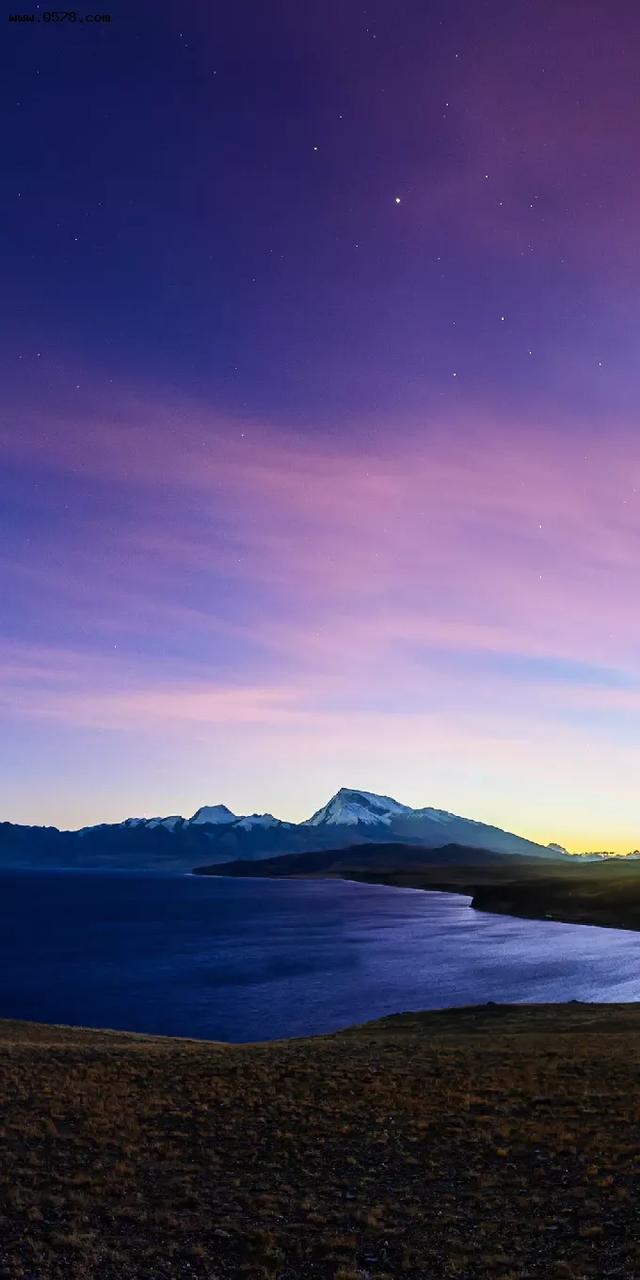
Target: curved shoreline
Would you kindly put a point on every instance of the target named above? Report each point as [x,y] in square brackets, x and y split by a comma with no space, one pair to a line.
[494,900]
[597,899]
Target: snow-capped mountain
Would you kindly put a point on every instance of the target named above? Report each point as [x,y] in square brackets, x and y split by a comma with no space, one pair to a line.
[261,820]
[381,817]
[347,808]
[170,823]
[213,813]
[209,815]
[214,834]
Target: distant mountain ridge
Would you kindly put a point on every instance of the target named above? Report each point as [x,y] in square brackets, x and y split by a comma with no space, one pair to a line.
[214,834]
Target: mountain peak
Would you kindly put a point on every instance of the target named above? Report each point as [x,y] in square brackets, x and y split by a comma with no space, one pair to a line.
[213,813]
[259,820]
[349,806]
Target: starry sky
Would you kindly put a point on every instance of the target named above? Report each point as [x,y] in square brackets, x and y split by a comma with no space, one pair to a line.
[319,455]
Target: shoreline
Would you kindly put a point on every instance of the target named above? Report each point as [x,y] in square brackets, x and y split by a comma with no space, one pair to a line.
[598,895]
[570,899]
[490,906]
[510,1016]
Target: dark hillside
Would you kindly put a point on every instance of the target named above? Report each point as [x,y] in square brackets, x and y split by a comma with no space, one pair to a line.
[383,857]
[491,1143]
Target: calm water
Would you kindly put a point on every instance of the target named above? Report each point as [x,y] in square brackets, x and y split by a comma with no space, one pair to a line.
[261,959]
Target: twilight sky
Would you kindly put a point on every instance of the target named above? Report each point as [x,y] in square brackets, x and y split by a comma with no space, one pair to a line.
[319,452]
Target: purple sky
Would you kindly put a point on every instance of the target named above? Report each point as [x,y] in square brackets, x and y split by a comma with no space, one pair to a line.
[319,452]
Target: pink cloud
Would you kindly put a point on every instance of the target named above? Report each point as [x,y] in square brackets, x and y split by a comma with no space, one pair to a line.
[399,600]
[490,536]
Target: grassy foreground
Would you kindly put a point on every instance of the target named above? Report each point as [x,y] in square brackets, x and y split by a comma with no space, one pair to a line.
[492,1142]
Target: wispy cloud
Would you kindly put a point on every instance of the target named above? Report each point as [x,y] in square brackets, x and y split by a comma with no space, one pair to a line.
[243,580]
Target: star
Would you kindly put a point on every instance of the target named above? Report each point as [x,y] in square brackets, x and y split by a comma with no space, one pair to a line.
[397,200]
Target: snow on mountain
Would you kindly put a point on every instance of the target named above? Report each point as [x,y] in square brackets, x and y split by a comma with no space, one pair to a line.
[436,815]
[350,815]
[214,813]
[259,820]
[365,811]
[349,807]
[170,823]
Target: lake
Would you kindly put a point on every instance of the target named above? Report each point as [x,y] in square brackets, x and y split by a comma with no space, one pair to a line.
[241,960]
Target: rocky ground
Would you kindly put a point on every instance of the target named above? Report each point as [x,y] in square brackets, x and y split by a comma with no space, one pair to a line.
[497,1142]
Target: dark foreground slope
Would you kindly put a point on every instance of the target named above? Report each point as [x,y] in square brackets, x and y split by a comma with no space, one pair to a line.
[494,1142]
[602,893]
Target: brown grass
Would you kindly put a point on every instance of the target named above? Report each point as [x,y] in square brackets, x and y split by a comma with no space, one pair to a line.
[499,1142]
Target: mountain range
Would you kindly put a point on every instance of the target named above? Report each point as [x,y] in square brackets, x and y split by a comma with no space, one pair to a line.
[214,834]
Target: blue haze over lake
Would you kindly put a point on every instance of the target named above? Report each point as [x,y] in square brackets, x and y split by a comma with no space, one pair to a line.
[245,960]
